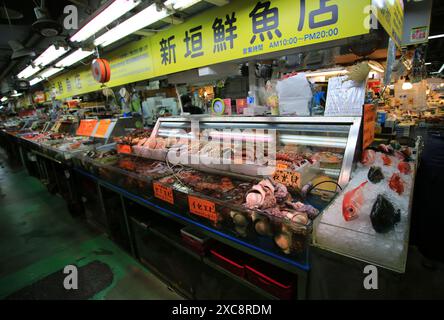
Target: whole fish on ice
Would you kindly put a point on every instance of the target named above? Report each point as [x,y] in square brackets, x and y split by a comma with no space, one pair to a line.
[351,205]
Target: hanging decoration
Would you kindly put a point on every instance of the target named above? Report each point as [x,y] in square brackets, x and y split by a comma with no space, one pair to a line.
[101,70]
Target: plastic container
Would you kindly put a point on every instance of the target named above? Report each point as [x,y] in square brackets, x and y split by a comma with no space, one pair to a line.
[277,282]
[229,259]
[195,240]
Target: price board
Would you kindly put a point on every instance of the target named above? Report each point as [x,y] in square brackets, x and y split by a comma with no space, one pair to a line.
[86,127]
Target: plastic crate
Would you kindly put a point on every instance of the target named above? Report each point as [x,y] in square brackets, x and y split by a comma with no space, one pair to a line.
[269,278]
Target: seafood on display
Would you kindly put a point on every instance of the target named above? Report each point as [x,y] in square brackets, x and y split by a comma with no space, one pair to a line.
[352,202]
[388,149]
[375,175]
[328,159]
[396,183]
[273,199]
[383,215]
[137,137]
[368,157]
[218,187]
[404,167]
[386,160]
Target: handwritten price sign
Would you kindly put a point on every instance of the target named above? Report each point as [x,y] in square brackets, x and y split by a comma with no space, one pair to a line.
[163,193]
[202,208]
[288,178]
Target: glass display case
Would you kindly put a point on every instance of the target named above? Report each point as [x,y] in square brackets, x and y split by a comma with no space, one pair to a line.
[259,180]
[381,194]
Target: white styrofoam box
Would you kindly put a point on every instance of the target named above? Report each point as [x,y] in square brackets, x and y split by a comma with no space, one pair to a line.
[255,111]
[294,87]
[298,107]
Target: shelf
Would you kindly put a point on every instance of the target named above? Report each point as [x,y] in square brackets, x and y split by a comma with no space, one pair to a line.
[170,239]
[175,241]
[259,253]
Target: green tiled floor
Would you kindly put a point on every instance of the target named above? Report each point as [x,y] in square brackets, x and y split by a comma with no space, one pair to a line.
[38,237]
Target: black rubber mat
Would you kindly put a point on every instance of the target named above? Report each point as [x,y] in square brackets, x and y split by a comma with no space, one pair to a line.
[92,278]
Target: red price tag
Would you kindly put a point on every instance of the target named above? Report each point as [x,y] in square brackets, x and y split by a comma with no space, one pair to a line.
[123,148]
[202,208]
[86,127]
[163,193]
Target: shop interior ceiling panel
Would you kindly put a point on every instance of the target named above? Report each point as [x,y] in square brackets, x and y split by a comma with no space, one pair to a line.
[19,29]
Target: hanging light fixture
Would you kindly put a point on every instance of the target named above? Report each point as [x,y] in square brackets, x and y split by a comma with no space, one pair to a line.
[74,57]
[112,12]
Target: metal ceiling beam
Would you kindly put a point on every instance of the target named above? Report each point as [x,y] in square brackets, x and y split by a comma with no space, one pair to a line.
[81,3]
[145,33]
[218,3]
[173,20]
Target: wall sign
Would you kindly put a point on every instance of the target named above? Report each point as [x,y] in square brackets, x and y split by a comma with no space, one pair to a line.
[390,14]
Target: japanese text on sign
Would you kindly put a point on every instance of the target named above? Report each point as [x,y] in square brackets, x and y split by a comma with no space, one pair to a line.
[163,193]
[202,208]
[241,29]
[288,178]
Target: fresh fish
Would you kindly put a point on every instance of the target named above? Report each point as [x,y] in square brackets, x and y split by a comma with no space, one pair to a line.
[351,205]
[385,148]
[368,157]
[386,159]
[375,175]
[396,183]
[383,215]
[404,167]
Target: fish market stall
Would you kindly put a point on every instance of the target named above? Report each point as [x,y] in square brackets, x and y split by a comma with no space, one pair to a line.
[237,190]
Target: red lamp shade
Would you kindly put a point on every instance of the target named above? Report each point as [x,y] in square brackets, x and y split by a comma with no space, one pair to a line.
[101,70]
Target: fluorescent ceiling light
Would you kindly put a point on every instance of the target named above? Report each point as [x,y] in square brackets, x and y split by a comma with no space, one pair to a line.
[180,4]
[27,72]
[35,81]
[4,99]
[436,36]
[111,13]
[50,72]
[140,20]
[49,55]
[428,63]
[442,69]
[74,57]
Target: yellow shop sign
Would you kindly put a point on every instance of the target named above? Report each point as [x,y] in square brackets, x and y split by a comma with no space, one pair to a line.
[239,30]
[390,14]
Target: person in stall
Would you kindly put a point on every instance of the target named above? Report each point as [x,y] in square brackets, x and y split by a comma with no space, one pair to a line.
[187,105]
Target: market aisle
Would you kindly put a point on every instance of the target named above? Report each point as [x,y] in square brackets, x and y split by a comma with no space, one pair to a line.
[38,238]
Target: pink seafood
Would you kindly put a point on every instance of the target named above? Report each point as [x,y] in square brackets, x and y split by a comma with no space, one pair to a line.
[368,157]
[351,205]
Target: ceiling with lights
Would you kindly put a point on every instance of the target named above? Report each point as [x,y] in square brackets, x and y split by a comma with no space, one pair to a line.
[35,45]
